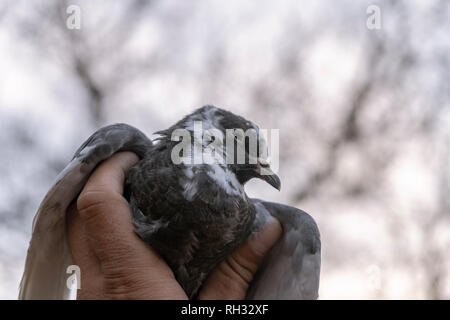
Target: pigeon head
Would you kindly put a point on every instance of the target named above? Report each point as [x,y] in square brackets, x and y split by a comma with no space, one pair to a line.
[242,149]
[250,154]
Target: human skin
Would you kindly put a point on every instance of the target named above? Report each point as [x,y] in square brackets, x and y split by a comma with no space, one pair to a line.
[116,264]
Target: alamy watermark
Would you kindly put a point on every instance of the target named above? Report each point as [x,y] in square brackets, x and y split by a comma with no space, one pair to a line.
[374,277]
[74,280]
[211,146]
[73,21]
[373,21]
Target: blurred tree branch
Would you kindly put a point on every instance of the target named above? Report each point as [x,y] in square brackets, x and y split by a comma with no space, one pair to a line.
[82,53]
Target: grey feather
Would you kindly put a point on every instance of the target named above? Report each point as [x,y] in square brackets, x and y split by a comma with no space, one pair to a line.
[291,270]
[193,215]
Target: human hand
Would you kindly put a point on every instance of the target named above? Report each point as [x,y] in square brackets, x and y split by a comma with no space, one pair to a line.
[116,264]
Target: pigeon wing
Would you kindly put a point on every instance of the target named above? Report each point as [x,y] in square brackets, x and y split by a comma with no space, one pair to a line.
[48,253]
[291,269]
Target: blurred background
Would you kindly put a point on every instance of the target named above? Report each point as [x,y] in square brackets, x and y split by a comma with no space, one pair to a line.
[363,114]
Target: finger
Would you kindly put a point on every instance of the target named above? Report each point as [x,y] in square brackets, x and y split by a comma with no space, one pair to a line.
[110,174]
[104,211]
[83,256]
[107,218]
[232,277]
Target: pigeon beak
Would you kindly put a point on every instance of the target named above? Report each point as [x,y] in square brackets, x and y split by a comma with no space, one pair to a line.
[273,180]
[266,174]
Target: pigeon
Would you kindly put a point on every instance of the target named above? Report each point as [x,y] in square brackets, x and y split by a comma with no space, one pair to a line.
[188,202]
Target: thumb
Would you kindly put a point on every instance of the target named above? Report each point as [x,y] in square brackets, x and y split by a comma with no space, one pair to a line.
[105,212]
[232,277]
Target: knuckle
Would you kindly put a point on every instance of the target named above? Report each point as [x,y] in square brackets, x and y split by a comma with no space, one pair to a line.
[123,283]
[243,268]
[117,286]
[234,277]
[94,199]
[93,203]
